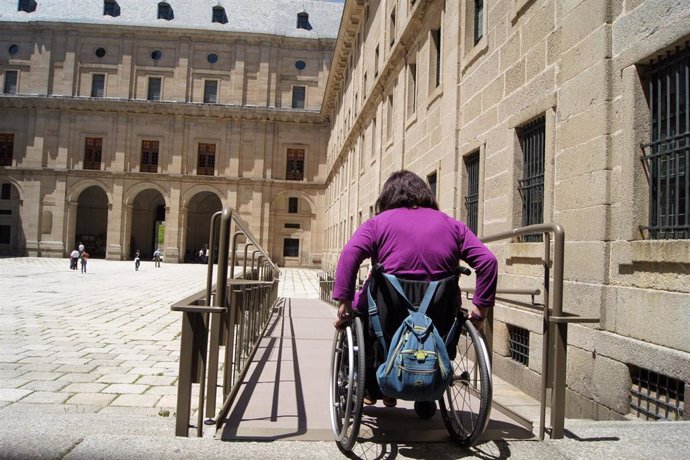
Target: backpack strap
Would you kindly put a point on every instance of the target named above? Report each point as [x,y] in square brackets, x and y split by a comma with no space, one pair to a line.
[374,311]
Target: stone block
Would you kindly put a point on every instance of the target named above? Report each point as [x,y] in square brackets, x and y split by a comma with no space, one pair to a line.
[582,191]
[535,61]
[584,158]
[611,384]
[586,90]
[581,127]
[585,54]
[585,224]
[540,24]
[509,52]
[540,88]
[585,261]
[580,371]
[515,77]
[583,20]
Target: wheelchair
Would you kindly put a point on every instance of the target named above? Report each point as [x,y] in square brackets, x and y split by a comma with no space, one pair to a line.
[466,403]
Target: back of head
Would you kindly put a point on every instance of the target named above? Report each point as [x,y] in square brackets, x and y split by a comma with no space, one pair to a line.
[405,189]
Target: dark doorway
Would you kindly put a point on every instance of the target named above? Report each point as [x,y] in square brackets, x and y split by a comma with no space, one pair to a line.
[148,223]
[199,212]
[92,222]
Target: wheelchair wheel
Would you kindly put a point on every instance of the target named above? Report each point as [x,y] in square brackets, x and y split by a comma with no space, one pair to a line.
[347,384]
[466,404]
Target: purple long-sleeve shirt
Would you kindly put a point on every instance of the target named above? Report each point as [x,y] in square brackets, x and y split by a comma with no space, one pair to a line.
[416,243]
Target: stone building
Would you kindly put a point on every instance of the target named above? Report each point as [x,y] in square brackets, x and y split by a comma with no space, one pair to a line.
[125,124]
[520,112]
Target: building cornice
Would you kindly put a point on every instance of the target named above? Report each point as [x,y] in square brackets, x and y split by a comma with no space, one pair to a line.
[108,105]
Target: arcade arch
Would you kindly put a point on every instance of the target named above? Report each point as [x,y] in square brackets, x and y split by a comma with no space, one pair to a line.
[148,223]
[92,221]
[200,208]
[11,233]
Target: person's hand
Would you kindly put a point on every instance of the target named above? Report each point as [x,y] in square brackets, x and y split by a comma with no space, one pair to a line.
[344,315]
[477,316]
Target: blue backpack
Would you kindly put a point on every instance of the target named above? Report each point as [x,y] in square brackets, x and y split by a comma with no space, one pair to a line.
[417,366]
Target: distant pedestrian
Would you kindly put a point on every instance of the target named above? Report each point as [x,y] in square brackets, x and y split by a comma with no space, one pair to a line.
[137,260]
[84,257]
[157,257]
[81,248]
[206,256]
[201,256]
[73,259]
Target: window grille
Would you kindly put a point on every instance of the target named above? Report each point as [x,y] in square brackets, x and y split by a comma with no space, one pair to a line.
[478,20]
[165,11]
[93,150]
[210,91]
[206,162]
[219,15]
[111,8]
[667,156]
[656,396]
[149,156]
[6,150]
[298,96]
[10,86]
[154,93]
[518,344]
[291,225]
[472,197]
[531,186]
[295,164]
[290,247]
[98,85]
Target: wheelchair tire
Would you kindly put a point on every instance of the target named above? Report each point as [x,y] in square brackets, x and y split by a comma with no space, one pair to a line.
[425,409]
[466,404]
[347,384]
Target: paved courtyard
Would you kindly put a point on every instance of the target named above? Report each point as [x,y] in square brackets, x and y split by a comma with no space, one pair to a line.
[105,341]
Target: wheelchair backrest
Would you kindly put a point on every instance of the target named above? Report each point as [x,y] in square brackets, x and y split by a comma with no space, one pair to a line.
[444,307]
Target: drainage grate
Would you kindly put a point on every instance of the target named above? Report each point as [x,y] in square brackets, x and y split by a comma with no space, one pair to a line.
[656,396]
[518,344]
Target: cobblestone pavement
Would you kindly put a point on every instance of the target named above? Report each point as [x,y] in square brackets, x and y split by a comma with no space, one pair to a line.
[104,341]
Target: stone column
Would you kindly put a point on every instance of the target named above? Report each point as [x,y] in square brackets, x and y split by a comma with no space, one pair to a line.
[115,220]
[71,225]
[172,226]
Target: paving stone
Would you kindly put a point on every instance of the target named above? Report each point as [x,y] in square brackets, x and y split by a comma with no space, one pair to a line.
[12,383]
[156,380]
[119,378]
[46,397]
[136,400]
[42,375]
[45,385]
[84,387]
[125,388]
[79,377]
[13,395]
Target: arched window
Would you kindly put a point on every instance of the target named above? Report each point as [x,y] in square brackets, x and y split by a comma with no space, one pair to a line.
[165,11]
[219,15]
[303,21]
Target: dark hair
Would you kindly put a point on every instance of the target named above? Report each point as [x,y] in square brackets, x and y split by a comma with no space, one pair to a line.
[405,189]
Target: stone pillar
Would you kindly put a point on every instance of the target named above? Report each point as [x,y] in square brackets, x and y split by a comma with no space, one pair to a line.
[71,224]
[115,220]
[172,227]
[126,229]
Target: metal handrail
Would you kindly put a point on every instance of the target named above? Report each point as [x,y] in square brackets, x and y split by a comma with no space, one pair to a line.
[215,313]
[555,327]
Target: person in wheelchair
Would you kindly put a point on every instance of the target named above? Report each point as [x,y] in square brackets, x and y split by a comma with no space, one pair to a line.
[410,238]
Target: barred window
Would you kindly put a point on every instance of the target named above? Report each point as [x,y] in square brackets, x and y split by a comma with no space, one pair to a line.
[28,6]
[478,20]
[210,91]
[149,156]
[6,149]
[303,21]
[10,86]
[298,97]
[98,85]
[472,196]
[295,164]
[531,186]
[293,202]
[656,396]
[518,344]
[93,150]
[291,247]
[667,156]
[206,160]
[154,91]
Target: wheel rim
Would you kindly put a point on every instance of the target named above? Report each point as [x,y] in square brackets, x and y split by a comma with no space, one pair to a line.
[341,384]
